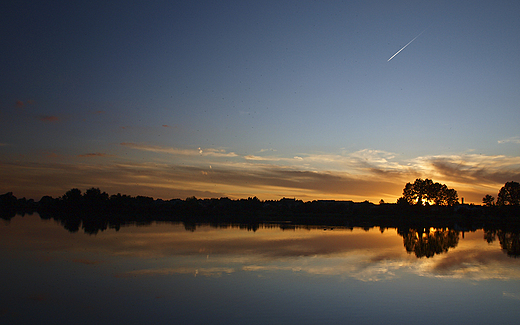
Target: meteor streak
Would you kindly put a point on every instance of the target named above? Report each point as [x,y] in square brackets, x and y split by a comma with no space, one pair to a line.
[406,45]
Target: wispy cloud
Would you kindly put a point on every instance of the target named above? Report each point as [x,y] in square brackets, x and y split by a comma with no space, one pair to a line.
[170,181]
[271,158]
[257,158]
[22,104]
[365,174]
[53,154]
[176,151]
[93,155]
[470,168]
[510,140]
[86,261]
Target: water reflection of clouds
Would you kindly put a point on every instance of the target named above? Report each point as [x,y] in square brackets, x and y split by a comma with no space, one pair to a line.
[473,264]
[336,253]
[363,255]
[264,244]
[353,268]
[358,268]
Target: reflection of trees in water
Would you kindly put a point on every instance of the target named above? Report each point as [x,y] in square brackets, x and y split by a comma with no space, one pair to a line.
[509,240]
[429,242]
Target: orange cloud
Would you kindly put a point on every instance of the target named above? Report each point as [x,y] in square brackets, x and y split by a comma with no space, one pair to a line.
[363,175]
[19,104]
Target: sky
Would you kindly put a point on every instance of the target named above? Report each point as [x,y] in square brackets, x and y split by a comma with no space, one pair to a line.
[259,98]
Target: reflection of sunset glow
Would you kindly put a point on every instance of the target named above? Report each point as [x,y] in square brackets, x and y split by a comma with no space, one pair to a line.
[365,255]
[178,261]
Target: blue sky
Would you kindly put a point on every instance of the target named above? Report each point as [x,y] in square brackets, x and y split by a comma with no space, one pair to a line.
[273,99]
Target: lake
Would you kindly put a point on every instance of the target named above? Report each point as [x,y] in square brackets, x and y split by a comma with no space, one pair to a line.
[171,273]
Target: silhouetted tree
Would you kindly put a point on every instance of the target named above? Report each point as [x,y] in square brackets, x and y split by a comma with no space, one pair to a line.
[47,204]
[413,193]
[423,192]
[8,200]
[8,204]
[94,199]
[72,195]
[73,199]
[488,200]
[403,201]
[509,194]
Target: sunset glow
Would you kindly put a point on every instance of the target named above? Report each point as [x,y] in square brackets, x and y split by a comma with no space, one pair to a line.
[241,99]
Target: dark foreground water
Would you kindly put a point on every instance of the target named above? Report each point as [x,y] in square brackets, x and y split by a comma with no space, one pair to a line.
[165,274]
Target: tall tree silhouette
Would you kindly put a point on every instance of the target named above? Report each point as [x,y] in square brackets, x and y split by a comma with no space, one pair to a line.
[426,191]
[509,194]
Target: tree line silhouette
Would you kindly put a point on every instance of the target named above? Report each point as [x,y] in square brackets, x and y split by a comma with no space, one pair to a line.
[428,216]
[424,204]
[422,197]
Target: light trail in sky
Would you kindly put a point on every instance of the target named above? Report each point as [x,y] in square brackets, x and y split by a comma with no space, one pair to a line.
[406,45]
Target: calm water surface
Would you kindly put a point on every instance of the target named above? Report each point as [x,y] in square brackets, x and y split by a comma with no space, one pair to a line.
[163,273]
